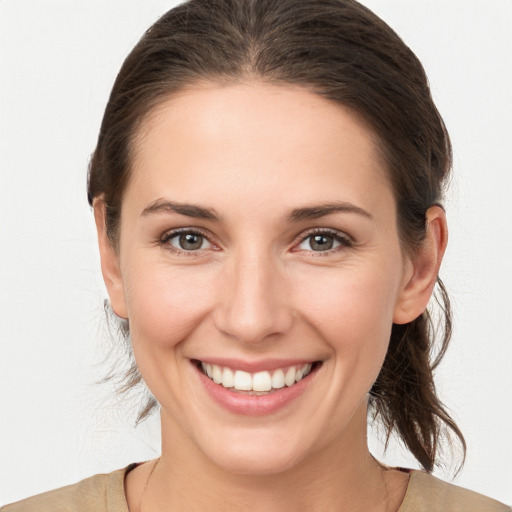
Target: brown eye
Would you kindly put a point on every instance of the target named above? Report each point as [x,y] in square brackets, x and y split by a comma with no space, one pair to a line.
[188,241]
[321,242]
[324,242]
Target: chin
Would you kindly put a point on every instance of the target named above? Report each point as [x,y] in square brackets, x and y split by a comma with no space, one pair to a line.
[256,463]
[256,455]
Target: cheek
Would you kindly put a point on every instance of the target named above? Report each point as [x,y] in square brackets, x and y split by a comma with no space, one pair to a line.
[165,304]
[352,310]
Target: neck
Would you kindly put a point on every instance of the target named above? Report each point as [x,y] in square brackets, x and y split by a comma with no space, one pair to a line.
[342,476]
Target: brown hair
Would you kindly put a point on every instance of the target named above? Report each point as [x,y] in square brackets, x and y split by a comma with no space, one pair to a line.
[342,51]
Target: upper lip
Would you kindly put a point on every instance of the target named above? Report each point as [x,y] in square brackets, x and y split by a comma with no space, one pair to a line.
[255,366]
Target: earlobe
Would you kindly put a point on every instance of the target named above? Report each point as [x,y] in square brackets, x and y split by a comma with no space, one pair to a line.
[424,269]
[109,262]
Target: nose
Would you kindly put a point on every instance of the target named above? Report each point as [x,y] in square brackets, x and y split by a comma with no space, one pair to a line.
[253,305]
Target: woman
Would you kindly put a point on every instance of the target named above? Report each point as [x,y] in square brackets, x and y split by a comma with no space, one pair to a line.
[267,191]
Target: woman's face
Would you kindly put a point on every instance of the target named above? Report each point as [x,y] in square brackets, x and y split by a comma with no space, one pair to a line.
[258,241]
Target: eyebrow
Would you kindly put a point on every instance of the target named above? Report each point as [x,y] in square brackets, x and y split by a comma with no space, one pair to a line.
[190,210]
[296,215]
[317,211]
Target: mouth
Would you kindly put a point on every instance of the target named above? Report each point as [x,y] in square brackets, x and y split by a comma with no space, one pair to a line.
[257,383]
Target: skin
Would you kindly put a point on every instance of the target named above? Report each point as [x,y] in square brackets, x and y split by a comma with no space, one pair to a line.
[253,153]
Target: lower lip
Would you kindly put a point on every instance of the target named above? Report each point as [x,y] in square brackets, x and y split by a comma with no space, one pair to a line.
[253,405]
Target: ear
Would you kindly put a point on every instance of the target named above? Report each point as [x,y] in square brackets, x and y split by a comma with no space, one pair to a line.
[423,269]
[109,262]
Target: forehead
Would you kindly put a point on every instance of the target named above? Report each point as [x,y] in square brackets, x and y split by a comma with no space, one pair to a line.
[246,138]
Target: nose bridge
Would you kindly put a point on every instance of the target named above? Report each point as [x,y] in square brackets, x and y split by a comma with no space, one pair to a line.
[253,304]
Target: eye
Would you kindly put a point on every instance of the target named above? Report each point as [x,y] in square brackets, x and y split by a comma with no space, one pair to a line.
[188,241]
[323,241]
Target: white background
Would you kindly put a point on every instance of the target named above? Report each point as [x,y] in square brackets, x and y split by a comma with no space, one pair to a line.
[57,64]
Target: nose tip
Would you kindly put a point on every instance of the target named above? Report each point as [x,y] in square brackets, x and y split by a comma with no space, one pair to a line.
[253,306]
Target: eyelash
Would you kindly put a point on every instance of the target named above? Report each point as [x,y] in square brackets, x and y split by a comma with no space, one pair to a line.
[344,241]
[165,239]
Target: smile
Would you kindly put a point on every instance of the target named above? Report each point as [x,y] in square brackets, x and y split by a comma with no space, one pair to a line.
[255,389]
[259,382]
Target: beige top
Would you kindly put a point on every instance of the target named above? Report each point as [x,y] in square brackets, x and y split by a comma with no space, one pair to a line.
[105,493]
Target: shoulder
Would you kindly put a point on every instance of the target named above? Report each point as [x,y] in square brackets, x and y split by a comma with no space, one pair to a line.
[98,493]
[427,493]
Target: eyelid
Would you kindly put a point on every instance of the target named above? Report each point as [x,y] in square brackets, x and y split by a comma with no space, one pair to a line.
[345,240]
[165,237]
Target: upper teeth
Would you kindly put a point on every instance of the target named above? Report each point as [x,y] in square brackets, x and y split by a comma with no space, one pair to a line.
[260,381]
